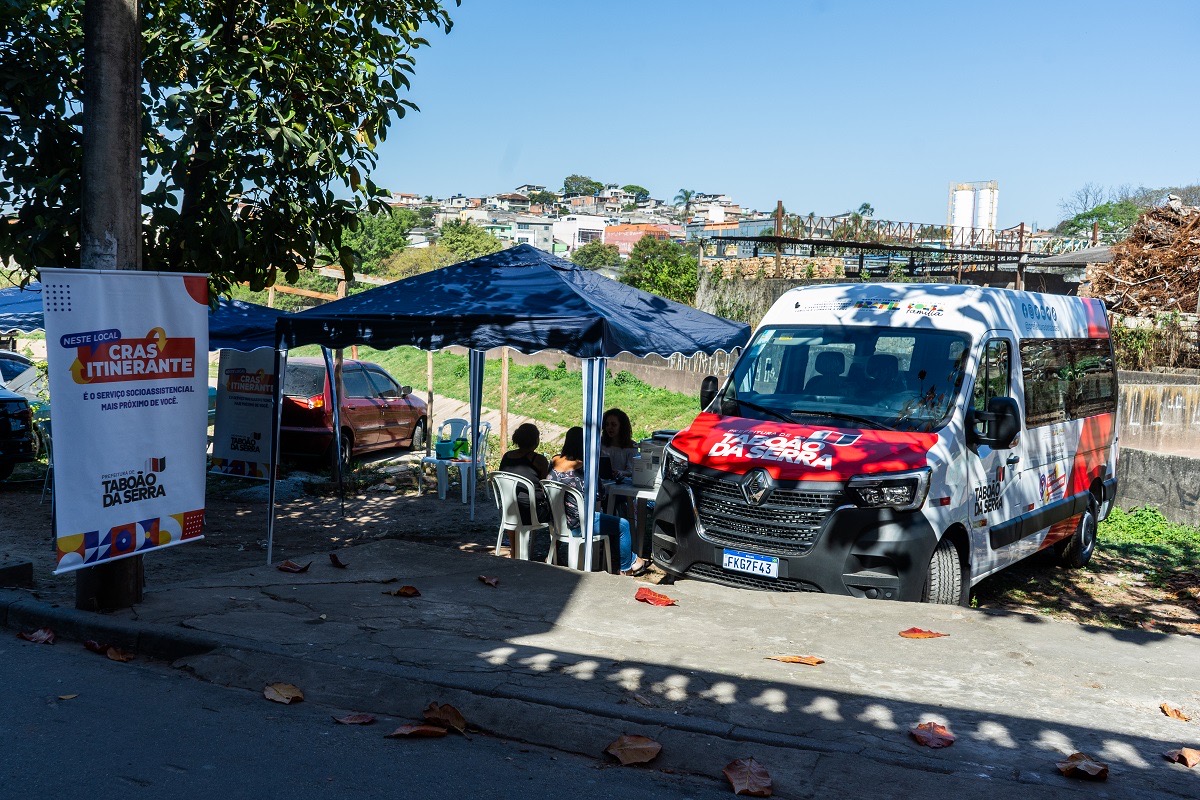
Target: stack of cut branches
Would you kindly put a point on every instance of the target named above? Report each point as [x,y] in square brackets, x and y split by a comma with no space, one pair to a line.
[1157,269]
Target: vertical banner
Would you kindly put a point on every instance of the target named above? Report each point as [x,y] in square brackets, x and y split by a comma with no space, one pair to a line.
[127,355]
[245,392]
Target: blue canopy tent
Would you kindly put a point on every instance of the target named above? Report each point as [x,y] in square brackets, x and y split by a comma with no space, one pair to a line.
[528,300]
[232,325]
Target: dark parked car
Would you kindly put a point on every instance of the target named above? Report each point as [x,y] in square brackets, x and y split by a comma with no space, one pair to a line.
[376,411]
[18,439]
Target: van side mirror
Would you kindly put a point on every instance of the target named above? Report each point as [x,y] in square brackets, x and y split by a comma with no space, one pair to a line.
[708,391]
[1001,423]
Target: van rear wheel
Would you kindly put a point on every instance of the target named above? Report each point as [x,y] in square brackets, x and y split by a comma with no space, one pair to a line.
[943,582]
[1076,552]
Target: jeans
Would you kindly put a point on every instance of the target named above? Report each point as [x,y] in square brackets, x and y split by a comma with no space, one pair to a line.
[616,530]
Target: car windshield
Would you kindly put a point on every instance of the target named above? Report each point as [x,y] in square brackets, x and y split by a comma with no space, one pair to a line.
[856,376]
[11,368]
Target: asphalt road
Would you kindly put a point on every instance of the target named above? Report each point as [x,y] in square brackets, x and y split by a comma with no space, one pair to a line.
[142,729]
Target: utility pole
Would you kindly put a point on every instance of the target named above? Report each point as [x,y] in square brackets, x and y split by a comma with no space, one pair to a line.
[778,236]
[111,206]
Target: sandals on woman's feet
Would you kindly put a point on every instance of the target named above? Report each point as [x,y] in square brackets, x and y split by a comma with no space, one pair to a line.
[639,567]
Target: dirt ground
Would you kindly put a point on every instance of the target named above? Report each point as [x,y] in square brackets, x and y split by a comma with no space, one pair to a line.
[1110,593]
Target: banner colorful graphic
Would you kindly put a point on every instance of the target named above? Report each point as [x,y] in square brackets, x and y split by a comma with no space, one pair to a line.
[127,354]
[242,435]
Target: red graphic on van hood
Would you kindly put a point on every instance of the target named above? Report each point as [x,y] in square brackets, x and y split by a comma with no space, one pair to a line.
[791,451]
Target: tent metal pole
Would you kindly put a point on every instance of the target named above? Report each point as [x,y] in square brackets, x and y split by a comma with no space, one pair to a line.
[593,411]
[277,399]
[331,373]
[475,361]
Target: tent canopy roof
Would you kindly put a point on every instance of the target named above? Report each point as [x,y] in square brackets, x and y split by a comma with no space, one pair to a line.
[521,298]
[233,325]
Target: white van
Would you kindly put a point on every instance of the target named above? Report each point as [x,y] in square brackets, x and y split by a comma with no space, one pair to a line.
[896,441]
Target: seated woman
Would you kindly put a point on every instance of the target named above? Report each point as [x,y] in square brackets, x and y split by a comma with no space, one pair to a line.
[528,463]
[567,468]
[616,442]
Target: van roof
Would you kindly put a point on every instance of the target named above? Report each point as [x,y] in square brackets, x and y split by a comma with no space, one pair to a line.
[970,309]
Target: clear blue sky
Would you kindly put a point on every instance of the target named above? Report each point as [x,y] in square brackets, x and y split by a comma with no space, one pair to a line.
[821,104]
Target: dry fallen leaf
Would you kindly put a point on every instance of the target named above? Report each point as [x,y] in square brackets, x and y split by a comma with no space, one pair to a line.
[416,732]
[445,715]
[117,654]
[1184,755]
[811,661]
[921,633]
[337,562]
[748,777]
[634,749]
[1081,765]
[355,719]
[653,598]
[493,582]
[283,693]
[40,636]
[404,591]
[1175,713]
[73,696]
[931,734]
[292,566]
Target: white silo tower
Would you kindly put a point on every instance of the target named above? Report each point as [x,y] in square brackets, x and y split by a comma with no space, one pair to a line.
[973,205]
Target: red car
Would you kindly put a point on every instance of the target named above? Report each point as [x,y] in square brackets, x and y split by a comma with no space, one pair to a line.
[376,411]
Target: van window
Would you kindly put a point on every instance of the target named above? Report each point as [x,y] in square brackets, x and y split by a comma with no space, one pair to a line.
[1067,379]
[993,379]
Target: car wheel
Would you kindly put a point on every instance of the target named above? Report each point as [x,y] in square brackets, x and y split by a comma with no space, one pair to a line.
[347,454]
[943,582]
[6,469]
[1076,552]
[418,436]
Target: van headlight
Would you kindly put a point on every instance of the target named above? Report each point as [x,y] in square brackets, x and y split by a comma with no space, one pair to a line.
[903,491]
[674,464]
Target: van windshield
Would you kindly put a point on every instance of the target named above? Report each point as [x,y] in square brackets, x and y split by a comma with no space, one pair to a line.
[856,376]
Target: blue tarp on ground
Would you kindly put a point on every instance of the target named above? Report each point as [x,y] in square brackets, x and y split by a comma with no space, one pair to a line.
[233,325]
[521,298]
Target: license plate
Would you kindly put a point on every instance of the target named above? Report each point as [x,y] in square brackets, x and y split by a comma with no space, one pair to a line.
[767,566]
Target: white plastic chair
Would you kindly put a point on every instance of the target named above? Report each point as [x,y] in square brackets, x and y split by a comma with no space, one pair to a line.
[453,428]
[448,431]
[478,462]
[557,494]
[505,487]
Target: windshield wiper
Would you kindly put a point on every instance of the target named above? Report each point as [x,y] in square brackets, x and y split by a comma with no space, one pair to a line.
[764,409]
[840,415]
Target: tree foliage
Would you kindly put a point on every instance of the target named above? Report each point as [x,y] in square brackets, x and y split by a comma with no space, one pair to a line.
[260,123]
[576,185]
[662,267]
[466,241]
[597,254]
[543,198]
[378,236]
[639,193]
[684,199]
[1115,219]
[417,261]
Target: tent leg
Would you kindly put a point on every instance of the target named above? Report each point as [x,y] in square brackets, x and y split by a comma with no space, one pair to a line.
[337,425]
[476,362]
[593,412]
[277,398]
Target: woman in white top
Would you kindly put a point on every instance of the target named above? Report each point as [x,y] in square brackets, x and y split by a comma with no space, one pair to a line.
[616,442]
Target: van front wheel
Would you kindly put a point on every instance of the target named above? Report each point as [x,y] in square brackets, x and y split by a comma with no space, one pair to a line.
[1076,552]
[943,582]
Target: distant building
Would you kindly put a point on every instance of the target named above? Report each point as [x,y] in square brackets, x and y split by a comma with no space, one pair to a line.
[576,230]
[510,201]
[524,229]
[626,236]
[404,200]
[529,188]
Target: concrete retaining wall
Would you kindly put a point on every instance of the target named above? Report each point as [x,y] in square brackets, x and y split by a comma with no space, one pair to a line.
[1168,481]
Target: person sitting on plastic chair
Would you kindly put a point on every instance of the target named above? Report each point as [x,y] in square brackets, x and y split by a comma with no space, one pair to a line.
[567,468]
[527,462]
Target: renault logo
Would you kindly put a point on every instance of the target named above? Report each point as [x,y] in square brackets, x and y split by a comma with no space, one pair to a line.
[756,487]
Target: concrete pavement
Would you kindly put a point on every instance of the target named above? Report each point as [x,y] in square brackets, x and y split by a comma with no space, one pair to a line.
[560,658]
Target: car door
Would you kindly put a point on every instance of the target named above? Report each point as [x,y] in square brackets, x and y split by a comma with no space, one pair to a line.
[360,407]
[995,474]
[397,416]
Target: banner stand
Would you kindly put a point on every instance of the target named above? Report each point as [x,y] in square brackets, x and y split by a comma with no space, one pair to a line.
[277,398]
[337,426]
